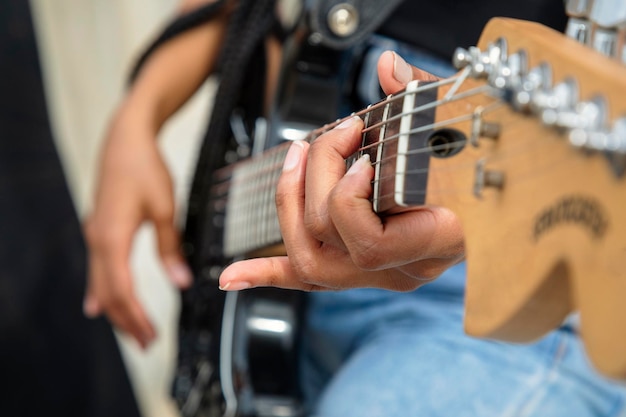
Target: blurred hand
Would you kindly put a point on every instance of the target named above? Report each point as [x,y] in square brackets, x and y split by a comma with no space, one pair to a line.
[333,238]
[134,186]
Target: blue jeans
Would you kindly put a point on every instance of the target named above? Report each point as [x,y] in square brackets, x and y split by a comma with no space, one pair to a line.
[376,353]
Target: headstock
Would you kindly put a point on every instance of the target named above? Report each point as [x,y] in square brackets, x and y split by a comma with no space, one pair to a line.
[545,225]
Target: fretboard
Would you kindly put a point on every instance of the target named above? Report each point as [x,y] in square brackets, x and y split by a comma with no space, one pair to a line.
[394,135]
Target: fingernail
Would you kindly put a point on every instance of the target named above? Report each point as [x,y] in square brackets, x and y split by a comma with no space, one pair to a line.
[294,154]
[89,307]
[350,121]
[358,166]
[402,71]
[179,274]
[235,286]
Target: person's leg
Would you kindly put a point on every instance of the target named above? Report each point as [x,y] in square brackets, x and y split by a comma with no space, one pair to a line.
[415,360]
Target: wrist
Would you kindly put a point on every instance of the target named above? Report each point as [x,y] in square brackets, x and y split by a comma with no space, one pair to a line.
[137,116]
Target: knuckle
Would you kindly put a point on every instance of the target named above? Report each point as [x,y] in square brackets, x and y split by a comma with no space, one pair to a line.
[316,224]
[367,253]
[115,301]
[307,269]
[281,198]
[338,199]
[115,298]
[367,257]
[429,269]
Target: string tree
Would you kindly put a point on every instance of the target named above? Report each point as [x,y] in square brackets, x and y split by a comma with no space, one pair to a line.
[482,128]
[486,178]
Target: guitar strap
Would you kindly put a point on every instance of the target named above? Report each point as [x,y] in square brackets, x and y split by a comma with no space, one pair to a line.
[242,64]
[174,28]
[242,58]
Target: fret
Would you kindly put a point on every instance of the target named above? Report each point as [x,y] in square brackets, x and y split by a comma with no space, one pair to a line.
[371,144]
[251,218]
[412,164]
[390,138]
[386,170]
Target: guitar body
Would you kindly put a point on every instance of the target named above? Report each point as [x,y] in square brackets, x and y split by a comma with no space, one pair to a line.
[545,232]
[527,145]
[238,350]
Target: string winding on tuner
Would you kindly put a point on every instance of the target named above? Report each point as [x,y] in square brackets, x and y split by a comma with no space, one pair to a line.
[585,123]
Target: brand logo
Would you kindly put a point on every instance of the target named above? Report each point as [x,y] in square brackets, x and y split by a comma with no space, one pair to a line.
[583,211]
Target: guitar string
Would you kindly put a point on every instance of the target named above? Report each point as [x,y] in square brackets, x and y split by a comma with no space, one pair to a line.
[521,172]
[226,172]
[433,126]
[271,213]
[283,147]
[449,97]
[417,110]
[424,128]
[276,167]
[269,219]
[390,100]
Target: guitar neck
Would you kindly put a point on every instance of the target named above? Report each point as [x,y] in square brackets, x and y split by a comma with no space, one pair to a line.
[528,148]
[395,134]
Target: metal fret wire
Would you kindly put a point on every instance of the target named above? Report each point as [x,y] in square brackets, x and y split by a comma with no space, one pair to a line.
[252,215]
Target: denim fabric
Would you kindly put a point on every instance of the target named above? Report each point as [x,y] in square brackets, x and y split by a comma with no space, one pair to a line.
[376,353]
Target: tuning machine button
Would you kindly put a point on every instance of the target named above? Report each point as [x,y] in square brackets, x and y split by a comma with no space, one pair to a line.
[486,178]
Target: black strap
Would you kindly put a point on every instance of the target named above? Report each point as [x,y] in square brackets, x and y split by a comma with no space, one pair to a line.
[181,24]
[242,65]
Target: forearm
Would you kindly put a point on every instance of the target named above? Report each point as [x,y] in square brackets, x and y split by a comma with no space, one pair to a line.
[173,73]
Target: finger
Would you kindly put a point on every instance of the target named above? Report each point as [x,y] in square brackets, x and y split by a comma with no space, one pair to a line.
[160,209]
[326,273]
[264,272]
[168,240]
[376,243]
[394,73]
[290,200]
[122,306]
[91,306]
[114,296]
[111,283]
[325,167]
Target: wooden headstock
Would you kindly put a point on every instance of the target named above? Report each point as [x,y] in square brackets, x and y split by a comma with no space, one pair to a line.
[543,200]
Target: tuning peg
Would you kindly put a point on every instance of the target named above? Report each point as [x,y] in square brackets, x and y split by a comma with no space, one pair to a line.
[482,128]
[609,28]
[486,178]
[578,25]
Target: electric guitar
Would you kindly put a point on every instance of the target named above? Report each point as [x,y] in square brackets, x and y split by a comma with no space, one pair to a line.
[527,144]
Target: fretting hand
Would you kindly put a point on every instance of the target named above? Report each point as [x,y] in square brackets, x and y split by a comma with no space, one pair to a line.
[333,238]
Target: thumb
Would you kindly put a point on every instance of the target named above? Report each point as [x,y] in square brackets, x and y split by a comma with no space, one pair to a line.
[394,73]
[169,251]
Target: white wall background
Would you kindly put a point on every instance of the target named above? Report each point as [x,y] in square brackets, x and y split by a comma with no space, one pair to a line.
[87,48]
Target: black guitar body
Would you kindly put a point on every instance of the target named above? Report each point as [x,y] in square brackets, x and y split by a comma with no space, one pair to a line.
[238,351]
